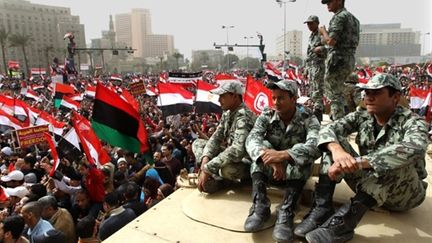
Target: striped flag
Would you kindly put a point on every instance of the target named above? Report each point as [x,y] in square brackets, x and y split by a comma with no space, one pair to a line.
[174,99]
[53,147]
[115,121]
[90,142]
[68,104]
[206,102]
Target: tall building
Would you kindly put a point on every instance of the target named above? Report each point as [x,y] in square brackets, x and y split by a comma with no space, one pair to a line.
[388,40]
[46,25]
[134,29]
[293,41]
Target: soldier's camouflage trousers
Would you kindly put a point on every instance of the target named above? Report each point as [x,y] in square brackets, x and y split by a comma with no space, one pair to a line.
[398,190]
[235,170]
[334,80]
[316,77]
[292,172]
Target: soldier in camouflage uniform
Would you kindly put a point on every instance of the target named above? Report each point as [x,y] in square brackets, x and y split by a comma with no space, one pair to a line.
[316,54]
[342,39]
[282,146]
[389,172]
[228,162]
[352,93]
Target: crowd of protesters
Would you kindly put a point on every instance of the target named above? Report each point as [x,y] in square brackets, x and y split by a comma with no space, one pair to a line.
[83,203]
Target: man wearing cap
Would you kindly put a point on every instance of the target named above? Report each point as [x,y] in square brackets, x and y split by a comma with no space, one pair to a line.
[282,145]
[224,154]
[389,172]
[13,179]
[342,39]
[316,54]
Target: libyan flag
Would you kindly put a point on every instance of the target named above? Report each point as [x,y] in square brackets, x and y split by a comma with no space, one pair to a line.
[117,122]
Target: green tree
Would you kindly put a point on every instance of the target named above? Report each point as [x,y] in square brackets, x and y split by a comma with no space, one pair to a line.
[200,60]
[250,62]
[21,41]
[230,60]
[3,40]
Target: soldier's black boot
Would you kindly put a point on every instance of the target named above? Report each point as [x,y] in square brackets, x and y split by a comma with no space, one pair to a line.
[322,207]
[283,230]
[340,227]
[259,213]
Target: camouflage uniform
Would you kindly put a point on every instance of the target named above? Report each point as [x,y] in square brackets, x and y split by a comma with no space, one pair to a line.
[352,94]
[230,162]
[315,66]
[345,29]
[299,139]
[396,154]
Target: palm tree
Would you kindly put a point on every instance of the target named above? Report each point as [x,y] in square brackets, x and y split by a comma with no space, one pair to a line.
[47,50]
[177,56]
[3,39]
[21,40]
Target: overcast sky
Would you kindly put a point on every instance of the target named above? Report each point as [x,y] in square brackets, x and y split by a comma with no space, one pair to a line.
[196,24]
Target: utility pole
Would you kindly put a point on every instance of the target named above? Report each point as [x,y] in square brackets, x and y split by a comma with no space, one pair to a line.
[227,43]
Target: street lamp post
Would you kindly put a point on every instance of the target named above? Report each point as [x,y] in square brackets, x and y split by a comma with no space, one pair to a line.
[227,27]
[284,28]
[247,51]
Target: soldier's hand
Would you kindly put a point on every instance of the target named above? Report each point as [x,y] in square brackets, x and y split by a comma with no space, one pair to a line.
[278,171]
[204,161]
[322,29]
[334,171]
[273,156]
[202,178]
[345,161]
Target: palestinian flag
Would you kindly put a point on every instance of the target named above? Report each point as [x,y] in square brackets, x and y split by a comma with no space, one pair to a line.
[117,122]
[205,101]
[90,142]
[61,90]
[174,99]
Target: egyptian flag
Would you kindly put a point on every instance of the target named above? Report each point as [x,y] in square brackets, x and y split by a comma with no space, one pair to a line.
[257,96]
[92,147]
[53,147]
[272,72]
[68,104]
[14,107]
[61,90]
[174,99]
[116,77]
[418,98]
[30,94]
[186,79]
[38,118]
[221,78]
[8,122]
[69,146]
[206,102]
[115,121]
[90,92]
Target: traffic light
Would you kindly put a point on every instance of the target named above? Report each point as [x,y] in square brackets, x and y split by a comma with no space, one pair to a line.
[115,52]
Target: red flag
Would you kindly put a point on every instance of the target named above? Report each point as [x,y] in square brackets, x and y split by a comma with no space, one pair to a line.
[53,148]
[91,144]
[257,96]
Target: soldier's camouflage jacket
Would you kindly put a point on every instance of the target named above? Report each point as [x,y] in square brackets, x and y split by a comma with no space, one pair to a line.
[402,141]
[232,132]
[299,138]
